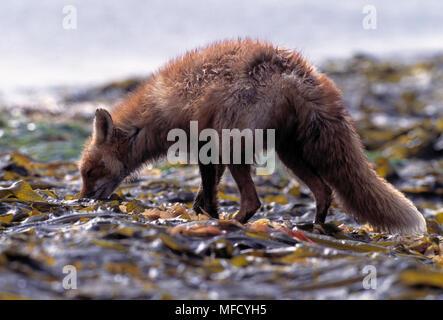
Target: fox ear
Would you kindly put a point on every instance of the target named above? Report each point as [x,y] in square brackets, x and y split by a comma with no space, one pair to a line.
[103,126]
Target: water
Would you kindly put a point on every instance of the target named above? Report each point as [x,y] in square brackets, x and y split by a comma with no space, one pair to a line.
[115,39]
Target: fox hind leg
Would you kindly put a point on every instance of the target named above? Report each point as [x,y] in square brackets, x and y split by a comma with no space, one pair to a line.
[322,192]
[206,198]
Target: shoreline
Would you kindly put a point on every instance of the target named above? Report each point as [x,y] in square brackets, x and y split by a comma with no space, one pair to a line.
[377,92]
[12,93]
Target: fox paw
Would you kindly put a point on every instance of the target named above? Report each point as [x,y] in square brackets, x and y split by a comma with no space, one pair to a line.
[319,228]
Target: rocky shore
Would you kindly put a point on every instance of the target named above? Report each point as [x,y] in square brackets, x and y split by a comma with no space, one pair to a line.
[146,242]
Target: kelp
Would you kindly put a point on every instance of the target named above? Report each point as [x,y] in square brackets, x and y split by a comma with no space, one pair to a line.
[147,242]
[165,248]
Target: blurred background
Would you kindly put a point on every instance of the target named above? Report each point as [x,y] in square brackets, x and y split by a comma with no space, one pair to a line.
[67,58]
[115,39]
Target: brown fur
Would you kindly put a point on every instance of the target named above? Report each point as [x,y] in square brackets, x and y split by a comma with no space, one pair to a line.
[248,84]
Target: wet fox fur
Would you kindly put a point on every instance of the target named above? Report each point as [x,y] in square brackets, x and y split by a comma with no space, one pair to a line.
[248,84]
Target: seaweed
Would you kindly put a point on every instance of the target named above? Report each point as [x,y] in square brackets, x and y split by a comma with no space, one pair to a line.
[147,242]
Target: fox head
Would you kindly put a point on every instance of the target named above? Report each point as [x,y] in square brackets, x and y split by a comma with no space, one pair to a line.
[102,165]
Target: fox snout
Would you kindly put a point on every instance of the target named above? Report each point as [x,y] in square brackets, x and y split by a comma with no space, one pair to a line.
[98,191]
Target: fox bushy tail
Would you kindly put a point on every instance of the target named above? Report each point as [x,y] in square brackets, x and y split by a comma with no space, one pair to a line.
[334,149]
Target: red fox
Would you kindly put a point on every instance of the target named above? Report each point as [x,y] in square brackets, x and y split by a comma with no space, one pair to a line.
[248,84]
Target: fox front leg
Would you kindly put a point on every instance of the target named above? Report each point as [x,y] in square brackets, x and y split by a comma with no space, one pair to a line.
[206,198]
[249,201]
